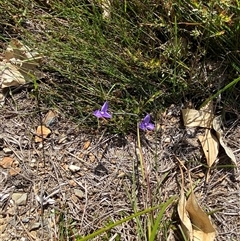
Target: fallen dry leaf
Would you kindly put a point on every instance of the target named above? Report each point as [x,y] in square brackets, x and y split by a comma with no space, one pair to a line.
[72,183]
[14,171]
[74,168]
[183,214]
[219,133]
[10,75]
[194,118]
[16,50]
[18,66]
[195,223]
[91,157]
[202,117]
[41,133]
[121,175]
[184,218]
[210,146]
[7,150]
[86,145]
[202,227]
[25,59]
[49,118]
[208,107]
[6,162]
[21,55]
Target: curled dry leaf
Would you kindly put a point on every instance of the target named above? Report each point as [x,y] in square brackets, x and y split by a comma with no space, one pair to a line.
[20,198]
[208,107]
[184,218]
[193,118]
[10,75]
[202,117]
[210,146]
[202,227]
[17,50]
[41,133]
[182,212]
[18,67]
[22,57]
[195,223]
[219,133]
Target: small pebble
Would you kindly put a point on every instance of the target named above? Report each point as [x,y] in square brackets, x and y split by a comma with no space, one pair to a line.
[23,239]
[34,226]
[79,193]
[19,198]
[73,168]
[25,220]
[121,175]
[2,228]
[7,150]
[167,140]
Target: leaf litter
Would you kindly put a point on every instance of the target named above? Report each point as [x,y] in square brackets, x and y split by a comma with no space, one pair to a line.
[212,138]
[202,227]
[219,133]
[94,185]
[195,223]
[18,67]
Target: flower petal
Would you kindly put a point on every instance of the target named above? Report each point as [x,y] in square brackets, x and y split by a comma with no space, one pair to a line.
[142,126]
[107,115]
[98,113]
[147,118]
[150,126]
[145,123]
[105,107]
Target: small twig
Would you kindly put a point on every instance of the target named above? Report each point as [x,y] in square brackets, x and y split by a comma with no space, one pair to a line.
[42,209]
[113,237]
[78,158]
[86,200]
[31,237]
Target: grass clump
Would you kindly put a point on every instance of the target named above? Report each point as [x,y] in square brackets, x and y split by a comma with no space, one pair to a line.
[142,57]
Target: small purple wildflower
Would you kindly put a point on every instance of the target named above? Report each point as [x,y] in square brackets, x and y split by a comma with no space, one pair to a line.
[103,113]
[145,123]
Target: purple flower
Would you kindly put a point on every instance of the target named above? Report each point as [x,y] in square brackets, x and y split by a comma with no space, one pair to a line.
[145,123]
[103,113]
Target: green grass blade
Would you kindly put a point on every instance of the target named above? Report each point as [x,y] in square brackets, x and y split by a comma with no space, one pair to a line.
[235,81]
[158,220]
[109,227]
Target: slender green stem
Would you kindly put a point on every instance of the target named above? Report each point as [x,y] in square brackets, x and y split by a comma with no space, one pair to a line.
[145,176]
[140,152]
[110,226]
[235,81]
